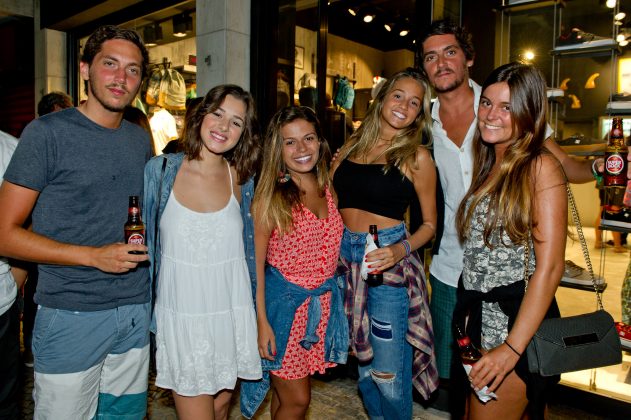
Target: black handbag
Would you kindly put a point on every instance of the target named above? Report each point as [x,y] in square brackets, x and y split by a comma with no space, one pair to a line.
[577,342]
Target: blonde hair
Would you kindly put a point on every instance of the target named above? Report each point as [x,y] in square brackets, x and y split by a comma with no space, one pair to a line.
[405,143]
[511,189]
[274,201]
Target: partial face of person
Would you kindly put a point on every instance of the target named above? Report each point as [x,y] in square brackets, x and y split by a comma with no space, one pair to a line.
[495,119]
[445,63]
[222,128]
[115,74]
[301,146]
[401,105]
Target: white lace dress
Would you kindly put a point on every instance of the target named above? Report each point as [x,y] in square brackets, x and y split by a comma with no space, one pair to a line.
[206,324]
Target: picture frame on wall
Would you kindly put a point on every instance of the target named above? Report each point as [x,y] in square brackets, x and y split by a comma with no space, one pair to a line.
[299,60]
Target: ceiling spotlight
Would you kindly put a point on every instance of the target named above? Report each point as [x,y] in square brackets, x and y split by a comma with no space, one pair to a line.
[611,3]
[388,27]
[620,37]
[529,55]
[368,18]
[404,32]
[182,24]
[149,36]
[352,11]
[623,43]
[620,16]
[152,33]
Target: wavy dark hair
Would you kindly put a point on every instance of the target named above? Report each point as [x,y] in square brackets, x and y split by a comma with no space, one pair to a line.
[448,27]
[510,190]
[245,156]
[52,100]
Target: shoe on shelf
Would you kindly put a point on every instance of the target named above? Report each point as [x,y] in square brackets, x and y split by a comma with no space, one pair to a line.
[624,331]
[620,97]
[578,38]
[578,139]
[619,101]
[554,92]
[575,274]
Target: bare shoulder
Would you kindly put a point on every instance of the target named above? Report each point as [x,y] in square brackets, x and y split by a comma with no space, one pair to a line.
[548,171]
[422,159]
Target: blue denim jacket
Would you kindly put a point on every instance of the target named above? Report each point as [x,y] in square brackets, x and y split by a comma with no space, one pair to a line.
[153,172]
[282,299]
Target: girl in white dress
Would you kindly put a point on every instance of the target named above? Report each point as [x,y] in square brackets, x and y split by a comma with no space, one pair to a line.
[206,326]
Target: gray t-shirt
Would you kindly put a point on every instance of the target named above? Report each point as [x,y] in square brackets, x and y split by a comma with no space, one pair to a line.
[85,174]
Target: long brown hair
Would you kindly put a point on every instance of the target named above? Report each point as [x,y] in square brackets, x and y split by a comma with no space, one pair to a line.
[245,156]
[511,189]
[274,201]
[405,143]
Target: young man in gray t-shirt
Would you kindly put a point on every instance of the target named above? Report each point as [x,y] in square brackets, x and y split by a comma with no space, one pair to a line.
[74,171]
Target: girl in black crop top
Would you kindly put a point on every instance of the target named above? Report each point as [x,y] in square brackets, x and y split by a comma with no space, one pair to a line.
[380,171]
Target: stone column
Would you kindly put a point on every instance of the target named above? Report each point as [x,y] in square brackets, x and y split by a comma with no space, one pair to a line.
[51,73]
[223,43]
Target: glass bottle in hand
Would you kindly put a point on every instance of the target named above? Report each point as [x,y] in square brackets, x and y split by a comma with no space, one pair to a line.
[375,277]
[134,227]
[469,355]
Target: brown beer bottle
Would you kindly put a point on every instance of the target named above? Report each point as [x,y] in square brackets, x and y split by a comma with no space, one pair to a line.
[469,354]
[615,180]
[134,228]
[374,278]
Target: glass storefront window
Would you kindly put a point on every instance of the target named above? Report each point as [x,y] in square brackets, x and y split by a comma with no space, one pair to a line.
[559,36]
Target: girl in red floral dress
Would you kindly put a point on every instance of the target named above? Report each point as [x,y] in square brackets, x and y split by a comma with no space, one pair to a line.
[297,232]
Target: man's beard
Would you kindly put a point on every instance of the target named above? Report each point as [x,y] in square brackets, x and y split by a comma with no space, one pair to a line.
[455,84]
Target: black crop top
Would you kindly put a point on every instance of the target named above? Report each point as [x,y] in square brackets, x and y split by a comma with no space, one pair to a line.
[366,187]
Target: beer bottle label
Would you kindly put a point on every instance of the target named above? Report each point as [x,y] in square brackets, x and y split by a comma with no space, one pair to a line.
[614,164]
[136,238]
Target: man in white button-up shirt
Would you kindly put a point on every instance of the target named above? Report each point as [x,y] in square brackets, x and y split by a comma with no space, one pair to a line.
[447,55]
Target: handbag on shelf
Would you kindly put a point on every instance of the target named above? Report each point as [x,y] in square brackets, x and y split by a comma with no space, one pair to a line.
[578,342]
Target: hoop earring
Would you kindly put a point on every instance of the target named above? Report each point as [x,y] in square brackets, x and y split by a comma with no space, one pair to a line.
[283,177]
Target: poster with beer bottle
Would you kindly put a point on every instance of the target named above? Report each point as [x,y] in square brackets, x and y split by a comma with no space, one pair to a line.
[134,227]
[615,179]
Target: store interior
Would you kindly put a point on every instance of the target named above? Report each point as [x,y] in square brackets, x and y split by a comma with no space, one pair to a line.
[368,40]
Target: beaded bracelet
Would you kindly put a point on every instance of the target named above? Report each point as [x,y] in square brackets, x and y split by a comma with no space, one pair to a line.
[512,348]
[408,248]
[598,177]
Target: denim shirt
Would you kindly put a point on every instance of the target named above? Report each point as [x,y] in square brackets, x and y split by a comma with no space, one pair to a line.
[153,172]
[282,299]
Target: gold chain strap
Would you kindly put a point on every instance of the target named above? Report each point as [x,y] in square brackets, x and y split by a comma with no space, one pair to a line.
[581,238]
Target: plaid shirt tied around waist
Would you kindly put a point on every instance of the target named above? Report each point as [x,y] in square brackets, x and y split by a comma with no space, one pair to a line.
[406,273]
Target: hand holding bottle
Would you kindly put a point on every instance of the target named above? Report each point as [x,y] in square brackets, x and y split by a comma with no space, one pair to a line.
[469,355]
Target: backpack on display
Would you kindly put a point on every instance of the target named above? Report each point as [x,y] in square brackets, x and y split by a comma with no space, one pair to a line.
[153,87]
[172,94]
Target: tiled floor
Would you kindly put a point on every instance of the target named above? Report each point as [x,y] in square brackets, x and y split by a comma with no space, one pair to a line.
[338,399]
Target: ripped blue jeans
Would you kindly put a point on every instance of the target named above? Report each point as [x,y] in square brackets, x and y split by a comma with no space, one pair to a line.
[385,383]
